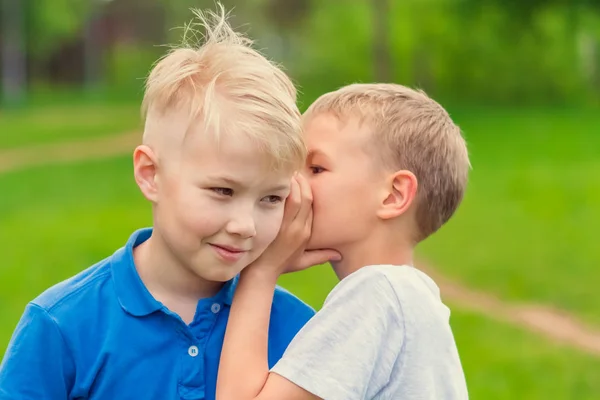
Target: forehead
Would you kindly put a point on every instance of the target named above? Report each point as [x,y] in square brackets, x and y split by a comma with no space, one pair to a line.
[237,156]
[327,133]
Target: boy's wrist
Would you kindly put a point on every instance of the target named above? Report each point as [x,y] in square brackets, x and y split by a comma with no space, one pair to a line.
[260,273]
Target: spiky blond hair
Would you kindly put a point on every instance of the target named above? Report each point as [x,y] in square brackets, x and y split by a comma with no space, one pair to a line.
[225,87]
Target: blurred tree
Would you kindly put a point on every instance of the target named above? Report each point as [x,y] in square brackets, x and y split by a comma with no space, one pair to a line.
[92,47]
[13,51]
[287,14]
[525,28]
[381,42]
[51,22]
[286,17]
[134,32]
[53,31]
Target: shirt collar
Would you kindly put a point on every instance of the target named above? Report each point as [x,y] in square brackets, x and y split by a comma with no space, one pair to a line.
[133,295]
[226,293]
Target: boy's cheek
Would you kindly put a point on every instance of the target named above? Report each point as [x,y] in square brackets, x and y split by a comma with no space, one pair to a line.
[275,228]
[268,230]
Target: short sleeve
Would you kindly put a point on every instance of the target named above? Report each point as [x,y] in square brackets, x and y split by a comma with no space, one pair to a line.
[349,348]
[37,364]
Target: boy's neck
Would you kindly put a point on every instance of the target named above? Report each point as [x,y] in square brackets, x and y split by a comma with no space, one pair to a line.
[377,250]
[165,278]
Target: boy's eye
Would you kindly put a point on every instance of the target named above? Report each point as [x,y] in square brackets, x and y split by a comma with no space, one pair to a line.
[273,199]
[222,191]
[315,169]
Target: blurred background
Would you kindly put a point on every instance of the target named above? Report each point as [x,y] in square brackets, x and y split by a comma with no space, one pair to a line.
[518,265]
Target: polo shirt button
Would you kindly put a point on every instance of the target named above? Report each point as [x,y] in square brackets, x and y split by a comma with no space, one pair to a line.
[215,308]
[193,351]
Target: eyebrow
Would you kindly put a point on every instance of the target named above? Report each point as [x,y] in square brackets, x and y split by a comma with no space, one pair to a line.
[234,182]
[314,153]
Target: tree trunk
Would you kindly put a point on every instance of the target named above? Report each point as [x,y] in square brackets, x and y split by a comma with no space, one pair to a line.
[381,45]
[92,49]
[13,51]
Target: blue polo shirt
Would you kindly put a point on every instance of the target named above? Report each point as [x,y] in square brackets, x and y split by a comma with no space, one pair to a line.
[101,335]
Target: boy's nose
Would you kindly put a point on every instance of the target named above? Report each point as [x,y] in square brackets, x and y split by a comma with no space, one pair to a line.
[242,224]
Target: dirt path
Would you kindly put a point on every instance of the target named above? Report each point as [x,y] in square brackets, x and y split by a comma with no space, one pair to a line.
[555,325]
[97,148]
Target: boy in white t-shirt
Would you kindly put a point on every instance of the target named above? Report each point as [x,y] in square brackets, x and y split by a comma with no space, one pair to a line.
[387,167]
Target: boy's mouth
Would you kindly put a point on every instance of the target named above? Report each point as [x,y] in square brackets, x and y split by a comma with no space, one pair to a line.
[228,253]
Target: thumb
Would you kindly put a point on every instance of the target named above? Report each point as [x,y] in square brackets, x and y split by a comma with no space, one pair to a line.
[314,257]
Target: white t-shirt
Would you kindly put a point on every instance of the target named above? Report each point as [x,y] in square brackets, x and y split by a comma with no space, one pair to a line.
[383,333]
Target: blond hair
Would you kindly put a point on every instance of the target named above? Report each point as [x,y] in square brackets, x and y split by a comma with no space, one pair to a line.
[228,87]
[412,132]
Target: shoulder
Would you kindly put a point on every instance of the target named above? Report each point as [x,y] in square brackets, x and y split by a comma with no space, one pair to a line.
[384,289]
[286,302]
[61,312]
[76,291]
[418,296]
[404,276]
[401,280]
[367,285]
[413,287]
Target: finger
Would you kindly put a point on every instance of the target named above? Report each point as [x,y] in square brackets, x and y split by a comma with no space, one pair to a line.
[306,199]
[292,204]
[308,225]
[311,258]
[310,219]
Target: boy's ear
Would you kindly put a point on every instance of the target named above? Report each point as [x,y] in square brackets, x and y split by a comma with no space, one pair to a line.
[400,192]
[144,171]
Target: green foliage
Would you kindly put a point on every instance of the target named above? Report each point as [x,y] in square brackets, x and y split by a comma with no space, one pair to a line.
[461,51]
[130,64]
[51,22]
[475,54]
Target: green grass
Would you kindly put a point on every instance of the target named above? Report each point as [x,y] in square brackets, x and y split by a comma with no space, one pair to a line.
[524,232]
[526,229]
[41,125]
[503,362]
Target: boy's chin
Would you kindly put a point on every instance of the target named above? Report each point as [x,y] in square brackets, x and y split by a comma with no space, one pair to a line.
[315,244]
[312,245]
[219,276]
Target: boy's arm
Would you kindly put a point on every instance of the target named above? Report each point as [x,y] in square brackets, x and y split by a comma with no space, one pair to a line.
[244,370]
[37,364]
